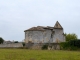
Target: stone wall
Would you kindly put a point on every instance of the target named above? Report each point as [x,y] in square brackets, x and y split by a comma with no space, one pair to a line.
[47,36]
[38,36]
[51,46]
[58,36]
[13,45]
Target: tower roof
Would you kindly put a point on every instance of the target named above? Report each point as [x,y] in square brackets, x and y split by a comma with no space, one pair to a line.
[58,26]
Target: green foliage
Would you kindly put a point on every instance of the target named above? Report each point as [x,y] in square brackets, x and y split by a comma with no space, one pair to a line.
[1,40]
[72,42]
[70,45]
[64,45]
[16,42]
[45,47]
[23,44]
[72,36]
[75,43]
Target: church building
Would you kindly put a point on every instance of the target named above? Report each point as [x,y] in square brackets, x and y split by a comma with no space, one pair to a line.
[41,34]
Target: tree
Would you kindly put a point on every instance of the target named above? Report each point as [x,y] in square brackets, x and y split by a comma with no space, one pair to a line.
[72,36]
[1,40]
[15,41]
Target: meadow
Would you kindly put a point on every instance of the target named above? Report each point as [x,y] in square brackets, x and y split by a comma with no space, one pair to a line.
[25,54]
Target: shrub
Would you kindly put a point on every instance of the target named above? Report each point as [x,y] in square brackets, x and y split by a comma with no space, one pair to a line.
[73,48]
[23,44]
[45,47]
[16,42]
[75,43]
[64,45]
[70,45]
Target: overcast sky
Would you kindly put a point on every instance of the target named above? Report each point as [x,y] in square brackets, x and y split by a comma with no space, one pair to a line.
[19,15]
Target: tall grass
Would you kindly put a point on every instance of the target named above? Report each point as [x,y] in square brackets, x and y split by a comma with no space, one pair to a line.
[24,54]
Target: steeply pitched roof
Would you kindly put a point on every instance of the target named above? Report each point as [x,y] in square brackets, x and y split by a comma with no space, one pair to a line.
[57,25]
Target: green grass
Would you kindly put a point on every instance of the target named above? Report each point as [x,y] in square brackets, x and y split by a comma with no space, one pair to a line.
[24,54]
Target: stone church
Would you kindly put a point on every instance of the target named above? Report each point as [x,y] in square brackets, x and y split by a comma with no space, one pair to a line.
[41,34]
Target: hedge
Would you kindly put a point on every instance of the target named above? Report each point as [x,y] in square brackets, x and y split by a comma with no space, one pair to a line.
[70,45]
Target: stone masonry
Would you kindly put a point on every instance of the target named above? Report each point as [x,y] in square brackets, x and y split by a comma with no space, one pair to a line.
[47,34]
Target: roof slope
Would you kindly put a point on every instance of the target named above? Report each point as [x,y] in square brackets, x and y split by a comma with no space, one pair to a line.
[42,28]
[38,28]
[57,25]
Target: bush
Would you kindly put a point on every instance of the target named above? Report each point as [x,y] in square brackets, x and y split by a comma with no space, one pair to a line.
[16,42]
[64,45]
[70,45]
[73,48]
[45,47]
[75,43]
[23,44]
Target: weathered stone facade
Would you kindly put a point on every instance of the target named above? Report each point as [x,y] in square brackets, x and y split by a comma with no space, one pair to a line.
[47,34]
[51,46]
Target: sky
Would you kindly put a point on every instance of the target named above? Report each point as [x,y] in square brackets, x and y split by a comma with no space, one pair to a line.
[19,15]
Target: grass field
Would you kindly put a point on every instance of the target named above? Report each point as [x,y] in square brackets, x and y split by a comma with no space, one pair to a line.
[24,54]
